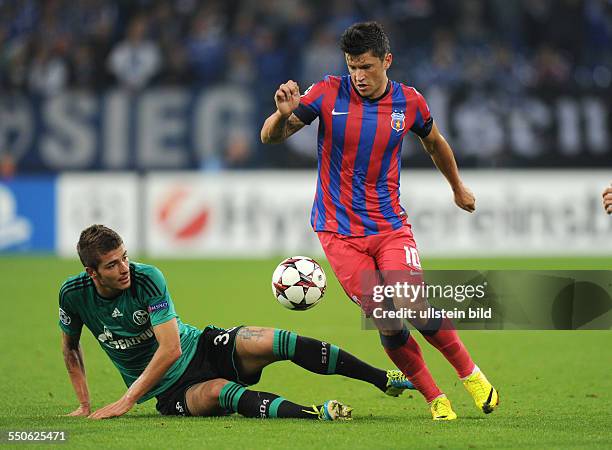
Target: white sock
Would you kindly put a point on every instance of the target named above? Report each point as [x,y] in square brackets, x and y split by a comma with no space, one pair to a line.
[474,370]
[439,396]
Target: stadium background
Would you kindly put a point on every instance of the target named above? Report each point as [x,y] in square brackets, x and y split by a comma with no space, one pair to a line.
[144,115]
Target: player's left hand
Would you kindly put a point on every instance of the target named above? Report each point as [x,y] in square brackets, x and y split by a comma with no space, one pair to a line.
[115,409]
[607,199]
[464,199]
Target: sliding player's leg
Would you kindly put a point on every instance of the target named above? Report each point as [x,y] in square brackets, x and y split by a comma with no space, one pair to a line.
[220,397]
[258,347]
[214,384]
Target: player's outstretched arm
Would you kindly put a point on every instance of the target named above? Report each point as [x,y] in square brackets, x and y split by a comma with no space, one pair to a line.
[442,156]
[283,123]
[167,353]
[607,199]
[75,364]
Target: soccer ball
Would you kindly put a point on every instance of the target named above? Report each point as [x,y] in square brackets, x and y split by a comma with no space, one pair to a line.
[299,283]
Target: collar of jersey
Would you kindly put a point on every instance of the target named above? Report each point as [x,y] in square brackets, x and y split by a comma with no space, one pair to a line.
[107,299]
[371,100]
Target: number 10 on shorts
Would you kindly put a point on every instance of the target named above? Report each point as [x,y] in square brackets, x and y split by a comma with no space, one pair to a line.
[412,257]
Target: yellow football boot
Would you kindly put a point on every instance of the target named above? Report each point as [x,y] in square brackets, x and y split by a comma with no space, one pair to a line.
[484,394]
[441,409]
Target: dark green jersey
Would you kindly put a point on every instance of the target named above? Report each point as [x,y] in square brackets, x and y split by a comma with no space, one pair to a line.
[124,325]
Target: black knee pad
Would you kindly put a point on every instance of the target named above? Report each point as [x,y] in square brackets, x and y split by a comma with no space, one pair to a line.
[396,340]
[432,327]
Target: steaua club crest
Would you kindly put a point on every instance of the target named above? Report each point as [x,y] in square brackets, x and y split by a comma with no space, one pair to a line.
[398,121]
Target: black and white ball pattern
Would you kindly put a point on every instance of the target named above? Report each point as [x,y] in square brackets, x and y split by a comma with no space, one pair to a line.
[299,283]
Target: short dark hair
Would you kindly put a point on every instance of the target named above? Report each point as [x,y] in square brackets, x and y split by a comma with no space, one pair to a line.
[362,37]
[95,241]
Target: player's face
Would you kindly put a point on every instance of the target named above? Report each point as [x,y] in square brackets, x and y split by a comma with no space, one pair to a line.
[113,273]
[369,73]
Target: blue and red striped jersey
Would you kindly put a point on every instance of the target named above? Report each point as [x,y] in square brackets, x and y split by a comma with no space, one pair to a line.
[359,153]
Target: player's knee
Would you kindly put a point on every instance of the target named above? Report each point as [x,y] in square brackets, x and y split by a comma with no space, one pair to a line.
[214,387]
[392,340]
[203,399]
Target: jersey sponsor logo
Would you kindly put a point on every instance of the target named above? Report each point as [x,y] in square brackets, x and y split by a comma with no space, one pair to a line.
[124,343]
[140,317]
[64,318]
[338,113]
[116,313]
[158,306]
[398,120]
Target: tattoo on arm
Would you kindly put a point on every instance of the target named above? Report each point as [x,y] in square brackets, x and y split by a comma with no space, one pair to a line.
[73,359]
[248,333]
[293,125]
[73,355]
[284,129]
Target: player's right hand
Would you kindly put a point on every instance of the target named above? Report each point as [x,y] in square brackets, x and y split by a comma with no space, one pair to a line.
[287,98]
[607,199]
[81,411]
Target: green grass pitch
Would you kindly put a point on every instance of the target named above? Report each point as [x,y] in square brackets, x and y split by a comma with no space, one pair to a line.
[555,386]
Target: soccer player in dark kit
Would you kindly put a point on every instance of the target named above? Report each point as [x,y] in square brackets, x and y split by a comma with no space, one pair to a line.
[128,308]
[357,215]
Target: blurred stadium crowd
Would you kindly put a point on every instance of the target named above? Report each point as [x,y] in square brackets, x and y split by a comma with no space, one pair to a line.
[47,46]
[519,83]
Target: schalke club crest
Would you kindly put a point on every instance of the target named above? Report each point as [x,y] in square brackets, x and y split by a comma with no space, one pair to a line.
[398,121]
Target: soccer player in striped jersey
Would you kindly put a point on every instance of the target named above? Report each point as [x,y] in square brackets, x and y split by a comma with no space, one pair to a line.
[129,310]
[357,215]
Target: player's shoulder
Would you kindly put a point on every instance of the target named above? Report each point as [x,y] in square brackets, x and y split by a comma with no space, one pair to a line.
[75,284]
[413,98]
[148,278]
[334,79]
[408,91]
[334,82]
[327,82]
